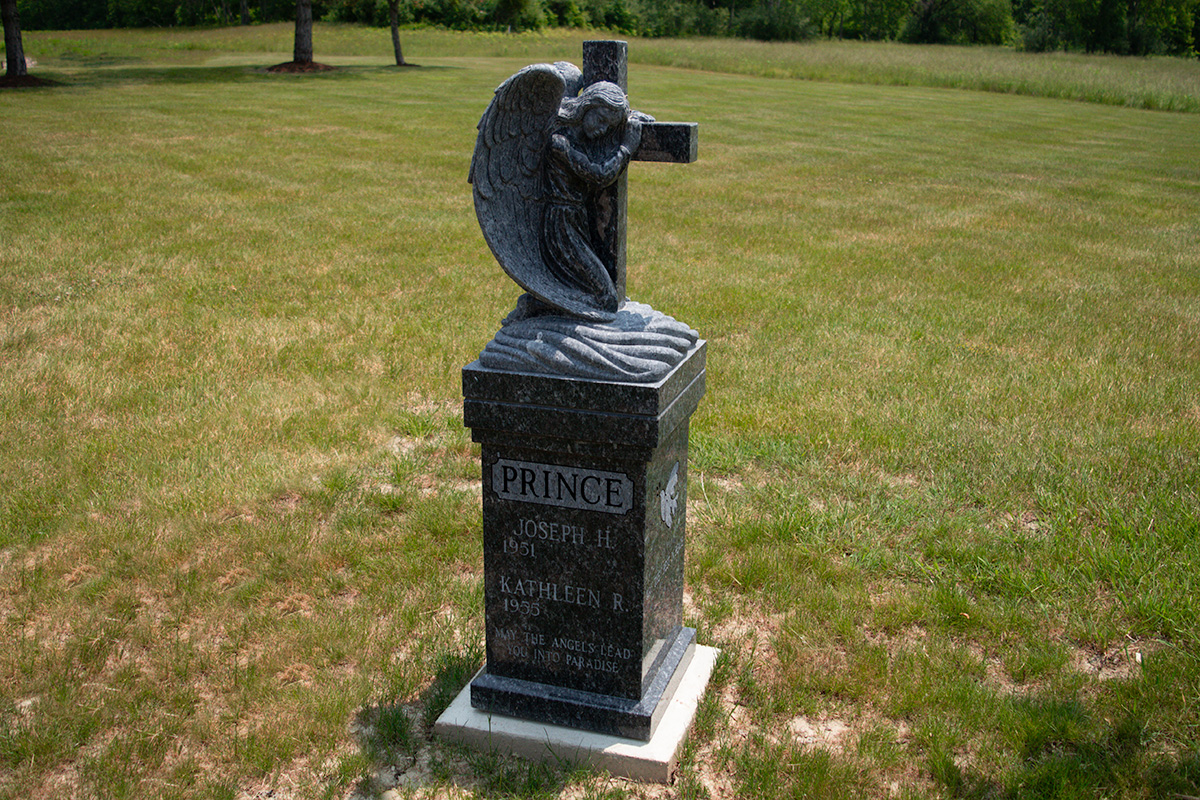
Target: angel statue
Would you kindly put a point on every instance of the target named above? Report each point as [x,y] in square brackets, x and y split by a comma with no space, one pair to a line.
[547,148]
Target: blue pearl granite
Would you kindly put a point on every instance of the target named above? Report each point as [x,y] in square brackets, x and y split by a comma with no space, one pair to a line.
[584,517]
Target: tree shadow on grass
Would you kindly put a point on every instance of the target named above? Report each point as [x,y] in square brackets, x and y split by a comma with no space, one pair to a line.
[398,748]
[25,82]
[141,75]
[1066,756]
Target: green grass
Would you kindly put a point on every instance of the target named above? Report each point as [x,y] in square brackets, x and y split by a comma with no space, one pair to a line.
[944,481]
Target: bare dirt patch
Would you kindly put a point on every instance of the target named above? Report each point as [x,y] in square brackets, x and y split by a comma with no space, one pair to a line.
[25,82]
[728,483]
[403,445]
[1119,660]
[997,676]
[914,637]
[294,67]
[417,404]
[467,487]
[907,480]
[286,503]
[427,485]
[290,783]
[1027,522]
[827,734]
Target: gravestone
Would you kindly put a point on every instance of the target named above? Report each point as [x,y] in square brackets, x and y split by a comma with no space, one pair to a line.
[581,406]
[583,541]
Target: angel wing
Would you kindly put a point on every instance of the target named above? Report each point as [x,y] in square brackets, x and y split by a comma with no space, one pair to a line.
[506,171]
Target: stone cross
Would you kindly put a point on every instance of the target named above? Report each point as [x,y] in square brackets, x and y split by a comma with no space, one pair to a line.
[673,142]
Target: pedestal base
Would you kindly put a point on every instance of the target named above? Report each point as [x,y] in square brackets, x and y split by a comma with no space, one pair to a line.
[644,761]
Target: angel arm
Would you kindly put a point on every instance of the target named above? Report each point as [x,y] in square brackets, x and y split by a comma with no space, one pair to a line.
[598,173]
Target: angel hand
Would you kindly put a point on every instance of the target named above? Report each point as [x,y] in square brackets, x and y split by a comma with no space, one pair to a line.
[633,134]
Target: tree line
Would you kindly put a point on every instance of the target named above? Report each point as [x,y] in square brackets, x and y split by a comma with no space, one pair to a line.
[1132,27]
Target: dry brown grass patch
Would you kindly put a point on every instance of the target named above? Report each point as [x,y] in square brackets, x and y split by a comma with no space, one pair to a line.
[291,782]
[79,575]
[298,603]
[233,577]
[296,673]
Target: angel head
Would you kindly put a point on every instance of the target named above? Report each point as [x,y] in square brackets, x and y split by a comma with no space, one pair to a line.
[598,110]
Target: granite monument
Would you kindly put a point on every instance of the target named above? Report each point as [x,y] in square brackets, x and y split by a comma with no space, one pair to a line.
[581,405]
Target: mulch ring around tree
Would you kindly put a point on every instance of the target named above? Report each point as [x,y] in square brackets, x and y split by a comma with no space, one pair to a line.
[301,66]
[24,81]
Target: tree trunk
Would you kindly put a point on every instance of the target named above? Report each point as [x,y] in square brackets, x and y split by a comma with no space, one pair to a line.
[302,52]
[245,12]
[394,13]
[13,49]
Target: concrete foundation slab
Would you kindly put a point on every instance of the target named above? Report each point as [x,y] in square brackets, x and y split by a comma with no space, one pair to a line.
[627,758]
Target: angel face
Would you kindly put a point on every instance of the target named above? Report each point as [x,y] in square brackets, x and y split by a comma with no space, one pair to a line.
[600,120]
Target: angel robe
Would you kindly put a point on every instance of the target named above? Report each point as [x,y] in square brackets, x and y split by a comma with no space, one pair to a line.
[572,181]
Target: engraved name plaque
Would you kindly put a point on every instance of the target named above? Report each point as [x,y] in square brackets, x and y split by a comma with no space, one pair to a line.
[565,487]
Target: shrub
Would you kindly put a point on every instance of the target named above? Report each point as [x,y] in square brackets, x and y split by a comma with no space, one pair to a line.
[367,12]
[959,22]
[519,15]
[1040,35]
[774,21]
[566,14]
[876,19]
[459,15]
[681,18]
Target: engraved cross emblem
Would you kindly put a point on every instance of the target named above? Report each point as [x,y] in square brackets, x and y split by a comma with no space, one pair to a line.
[673,142]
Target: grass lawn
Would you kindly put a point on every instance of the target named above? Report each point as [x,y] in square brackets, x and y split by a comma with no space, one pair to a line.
[945,498]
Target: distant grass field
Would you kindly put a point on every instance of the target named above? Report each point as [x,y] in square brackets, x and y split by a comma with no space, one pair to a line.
[944,513]
[1171,84]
